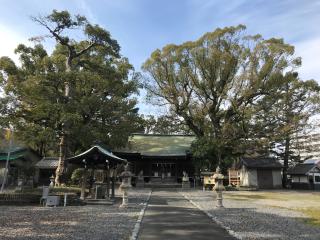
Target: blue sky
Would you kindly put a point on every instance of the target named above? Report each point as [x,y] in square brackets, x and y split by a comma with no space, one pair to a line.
[141,26]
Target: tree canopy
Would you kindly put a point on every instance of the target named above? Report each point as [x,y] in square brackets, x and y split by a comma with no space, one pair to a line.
[216,83]
[83,89]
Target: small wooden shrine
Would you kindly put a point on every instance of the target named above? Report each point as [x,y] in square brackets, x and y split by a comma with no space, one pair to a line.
[103,165]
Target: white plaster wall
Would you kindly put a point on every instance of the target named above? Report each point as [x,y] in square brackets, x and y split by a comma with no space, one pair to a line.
[248,177]
[253,177]
[244,177]
[276,175]
[295,179]
[304,179]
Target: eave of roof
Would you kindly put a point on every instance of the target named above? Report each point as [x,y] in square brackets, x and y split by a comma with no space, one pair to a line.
[16,153]
[78,158]
[48,163]
[261,163]
[13,156]
[302,169]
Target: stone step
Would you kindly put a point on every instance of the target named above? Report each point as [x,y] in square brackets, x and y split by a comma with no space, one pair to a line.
[98,202]
[162,185]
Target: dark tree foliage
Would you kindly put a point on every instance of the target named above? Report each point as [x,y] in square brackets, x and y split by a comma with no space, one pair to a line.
[80,93]
[165,124]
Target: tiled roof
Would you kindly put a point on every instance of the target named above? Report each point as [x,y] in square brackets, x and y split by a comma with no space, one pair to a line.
[261,162]
[159,145]
[48,163]
[95,150]
[301,169]
[15,153]
[313,161]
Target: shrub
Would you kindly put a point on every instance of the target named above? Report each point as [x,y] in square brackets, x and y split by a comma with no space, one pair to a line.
[77,175]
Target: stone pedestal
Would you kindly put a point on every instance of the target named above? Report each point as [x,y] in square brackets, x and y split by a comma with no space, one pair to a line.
[125,200]
[218,187]
[185,184]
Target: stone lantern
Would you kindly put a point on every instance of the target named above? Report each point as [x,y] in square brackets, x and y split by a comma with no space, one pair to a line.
[126,176]
[218,187]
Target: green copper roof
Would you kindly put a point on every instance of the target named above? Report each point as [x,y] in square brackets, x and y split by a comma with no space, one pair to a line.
[13,156]
[16,152]
[159,145]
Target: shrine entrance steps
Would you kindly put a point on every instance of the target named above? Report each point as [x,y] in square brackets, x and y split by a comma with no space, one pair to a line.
[98,202]
[170,216]
[164,185]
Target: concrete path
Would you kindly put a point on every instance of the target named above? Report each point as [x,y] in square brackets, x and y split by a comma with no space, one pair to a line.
[170,216]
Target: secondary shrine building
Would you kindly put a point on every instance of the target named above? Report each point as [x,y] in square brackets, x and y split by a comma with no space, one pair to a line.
[159,158]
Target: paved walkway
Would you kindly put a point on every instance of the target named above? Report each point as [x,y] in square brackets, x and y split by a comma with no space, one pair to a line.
[170,216]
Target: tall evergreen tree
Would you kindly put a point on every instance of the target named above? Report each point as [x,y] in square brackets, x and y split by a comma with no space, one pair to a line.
[285,114]
[80,93]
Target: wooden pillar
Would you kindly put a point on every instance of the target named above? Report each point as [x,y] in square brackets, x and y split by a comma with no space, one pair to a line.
[176,165]
[134,167]
[84,183]
[150,167]
[113,186]
[107,193]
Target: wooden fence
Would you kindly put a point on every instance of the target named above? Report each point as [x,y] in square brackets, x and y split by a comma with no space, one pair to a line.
[18,198]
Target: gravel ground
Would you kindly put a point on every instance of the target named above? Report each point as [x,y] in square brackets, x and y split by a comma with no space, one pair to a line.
[254,221]
[71,222]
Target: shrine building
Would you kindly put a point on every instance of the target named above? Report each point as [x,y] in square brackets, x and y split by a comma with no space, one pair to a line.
[159,158]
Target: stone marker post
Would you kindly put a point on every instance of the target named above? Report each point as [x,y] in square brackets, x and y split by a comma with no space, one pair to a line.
[126,176]
[218,187]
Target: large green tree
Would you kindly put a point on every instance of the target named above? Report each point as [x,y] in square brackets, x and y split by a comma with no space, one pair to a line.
[80,93]
[164,124]
[285,114]
[215,83]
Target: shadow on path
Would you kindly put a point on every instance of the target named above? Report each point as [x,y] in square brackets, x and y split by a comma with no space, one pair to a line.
[170,216]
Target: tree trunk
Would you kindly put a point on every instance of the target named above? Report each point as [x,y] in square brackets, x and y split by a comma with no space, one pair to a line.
[285,162]
[61,163]
[218,155]
[62,146]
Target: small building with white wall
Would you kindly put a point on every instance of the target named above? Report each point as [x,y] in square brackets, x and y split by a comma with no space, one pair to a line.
[260,172]
[305,175]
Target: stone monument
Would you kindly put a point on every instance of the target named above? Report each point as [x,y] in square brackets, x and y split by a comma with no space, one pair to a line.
[218,187]
[126,176]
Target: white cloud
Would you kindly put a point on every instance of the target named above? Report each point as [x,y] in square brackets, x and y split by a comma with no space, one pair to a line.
[309,50]
[85,7]
[9,41]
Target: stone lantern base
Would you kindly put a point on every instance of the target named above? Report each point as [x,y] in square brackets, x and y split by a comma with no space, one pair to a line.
[125,199]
